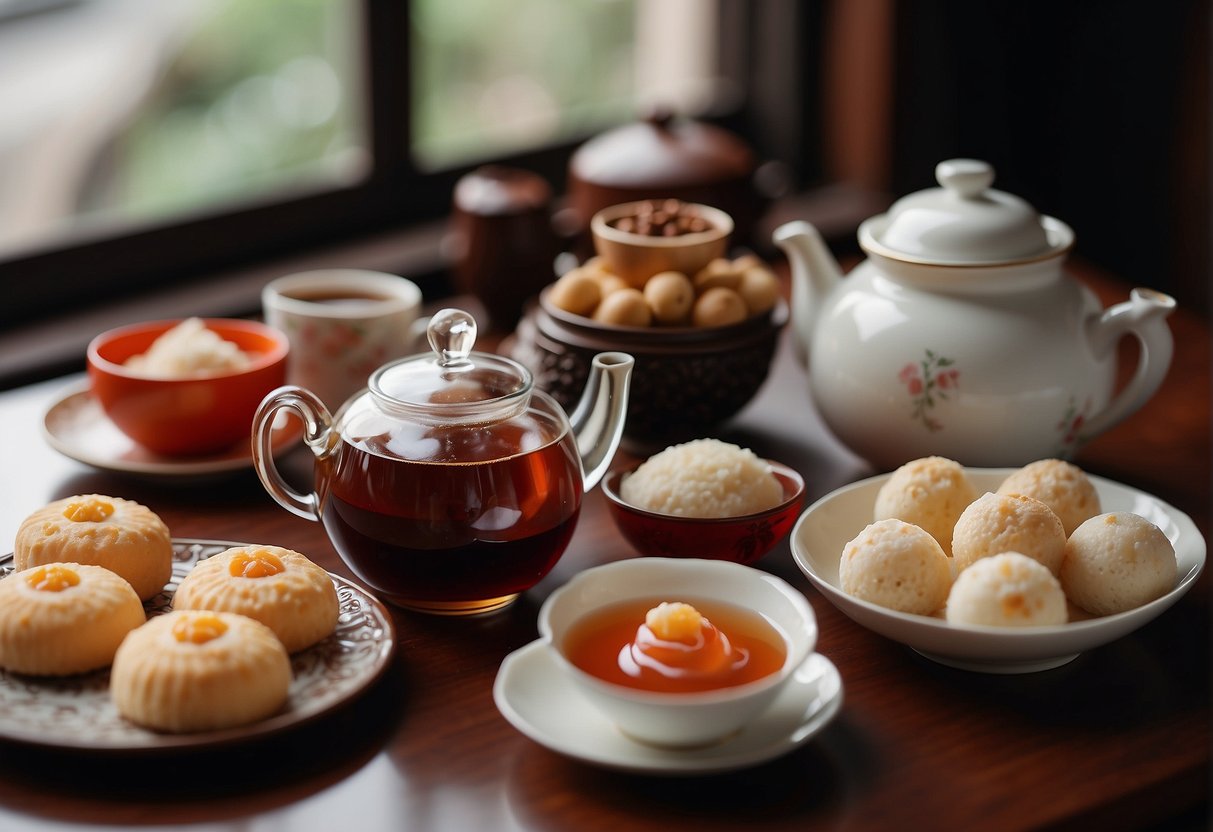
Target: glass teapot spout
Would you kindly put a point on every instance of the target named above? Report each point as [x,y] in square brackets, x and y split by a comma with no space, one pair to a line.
[598,419]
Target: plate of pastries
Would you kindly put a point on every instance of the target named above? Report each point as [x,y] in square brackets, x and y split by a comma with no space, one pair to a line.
[116,636]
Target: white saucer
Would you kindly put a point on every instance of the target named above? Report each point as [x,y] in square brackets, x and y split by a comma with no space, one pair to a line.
[75,425]
[537,698]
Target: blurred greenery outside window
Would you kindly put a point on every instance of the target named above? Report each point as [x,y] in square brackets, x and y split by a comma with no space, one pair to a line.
[198,108]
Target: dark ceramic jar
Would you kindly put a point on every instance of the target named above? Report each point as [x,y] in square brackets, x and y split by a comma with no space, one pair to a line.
[687,380]
[665,156]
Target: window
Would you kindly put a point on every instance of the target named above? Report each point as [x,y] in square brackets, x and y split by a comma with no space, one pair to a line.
[161,142]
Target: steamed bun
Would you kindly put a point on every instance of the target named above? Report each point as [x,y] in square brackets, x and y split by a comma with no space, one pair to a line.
[1115,562]
[931,493]
[897,565]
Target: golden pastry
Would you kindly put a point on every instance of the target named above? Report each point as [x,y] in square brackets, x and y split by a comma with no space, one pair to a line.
[64,618]
[192,670]
[278,587]
[121,535]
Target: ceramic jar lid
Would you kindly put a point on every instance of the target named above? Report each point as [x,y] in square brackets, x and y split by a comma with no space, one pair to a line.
[662,152]
[452,384]
[964,221]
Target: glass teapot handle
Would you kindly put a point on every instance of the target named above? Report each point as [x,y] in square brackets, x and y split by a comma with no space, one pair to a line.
[317,435]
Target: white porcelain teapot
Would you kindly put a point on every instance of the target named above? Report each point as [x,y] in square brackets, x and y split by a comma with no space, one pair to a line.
[961,335]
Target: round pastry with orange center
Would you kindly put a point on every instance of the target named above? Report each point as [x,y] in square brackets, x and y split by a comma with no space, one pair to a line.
[278,587]
[64,618]
[197,670]
[120,535]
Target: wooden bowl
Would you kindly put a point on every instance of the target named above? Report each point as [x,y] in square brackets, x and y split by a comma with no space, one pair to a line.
[687,380]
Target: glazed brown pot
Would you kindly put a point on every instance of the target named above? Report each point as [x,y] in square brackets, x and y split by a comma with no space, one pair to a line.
[687,380]
[662,157]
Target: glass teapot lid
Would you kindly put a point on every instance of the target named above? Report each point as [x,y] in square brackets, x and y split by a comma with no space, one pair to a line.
[964,222]
[452,384]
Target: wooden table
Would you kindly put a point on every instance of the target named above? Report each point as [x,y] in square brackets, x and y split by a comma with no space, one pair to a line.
[1119,737]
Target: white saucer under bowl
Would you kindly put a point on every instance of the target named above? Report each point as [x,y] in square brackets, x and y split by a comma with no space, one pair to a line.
[75,425]
[825,527]
[538,699]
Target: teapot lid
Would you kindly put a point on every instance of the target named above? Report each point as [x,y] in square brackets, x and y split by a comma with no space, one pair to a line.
[964,222]
[452,384]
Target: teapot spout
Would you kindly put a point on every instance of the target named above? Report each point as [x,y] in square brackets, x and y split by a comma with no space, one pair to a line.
[815,273]
[598,419]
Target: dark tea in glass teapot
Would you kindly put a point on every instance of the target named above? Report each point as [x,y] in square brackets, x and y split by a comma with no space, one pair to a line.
[450,485]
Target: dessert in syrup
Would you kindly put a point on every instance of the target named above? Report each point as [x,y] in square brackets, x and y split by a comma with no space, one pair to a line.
[675,646]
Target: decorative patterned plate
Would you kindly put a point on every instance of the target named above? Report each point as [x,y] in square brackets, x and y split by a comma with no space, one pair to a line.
[76,711]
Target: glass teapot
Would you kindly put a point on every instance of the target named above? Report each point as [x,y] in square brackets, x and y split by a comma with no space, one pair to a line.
[961,335]
[450,485]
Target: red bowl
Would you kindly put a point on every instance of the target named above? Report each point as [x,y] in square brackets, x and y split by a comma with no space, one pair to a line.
[744,539]
[185,416]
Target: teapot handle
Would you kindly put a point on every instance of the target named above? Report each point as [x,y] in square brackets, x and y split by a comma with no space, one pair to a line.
[1143,316]
[317,434]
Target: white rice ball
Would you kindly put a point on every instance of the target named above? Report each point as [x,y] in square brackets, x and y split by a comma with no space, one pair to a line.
[1061,486]
[897,565]
[1007,590]
[931,493]
[997,523]
[1116,562]
[703,478]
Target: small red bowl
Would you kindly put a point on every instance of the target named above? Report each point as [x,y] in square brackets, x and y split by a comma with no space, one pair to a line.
[185,416]
[744,539]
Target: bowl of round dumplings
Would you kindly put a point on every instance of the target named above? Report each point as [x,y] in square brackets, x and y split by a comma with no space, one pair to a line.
[702,326]
[999,570]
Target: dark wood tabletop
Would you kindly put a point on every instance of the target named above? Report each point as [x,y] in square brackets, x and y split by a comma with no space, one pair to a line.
[1117,739]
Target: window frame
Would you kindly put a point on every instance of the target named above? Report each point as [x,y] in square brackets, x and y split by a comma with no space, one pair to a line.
[776,112]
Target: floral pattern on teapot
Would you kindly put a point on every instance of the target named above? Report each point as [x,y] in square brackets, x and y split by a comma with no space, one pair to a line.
[928,382]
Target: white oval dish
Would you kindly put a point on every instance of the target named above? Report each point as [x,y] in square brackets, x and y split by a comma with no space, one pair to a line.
[825,527]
